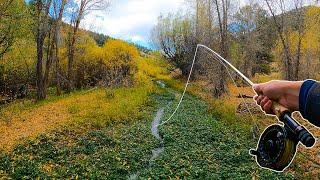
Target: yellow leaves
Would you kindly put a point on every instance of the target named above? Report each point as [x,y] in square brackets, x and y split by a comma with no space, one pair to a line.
[151,68]
[312,17]
[112,64]
[116,52]
[312,25]
[87,50]
[22,53]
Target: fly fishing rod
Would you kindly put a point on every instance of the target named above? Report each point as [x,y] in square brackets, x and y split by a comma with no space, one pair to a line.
[277,145]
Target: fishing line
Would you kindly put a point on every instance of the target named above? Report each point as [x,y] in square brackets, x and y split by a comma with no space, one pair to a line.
[223,62]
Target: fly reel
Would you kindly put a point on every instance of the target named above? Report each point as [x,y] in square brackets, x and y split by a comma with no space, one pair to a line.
[277,145]
[276,148]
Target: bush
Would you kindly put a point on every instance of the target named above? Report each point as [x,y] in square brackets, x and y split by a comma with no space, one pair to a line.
[110,65]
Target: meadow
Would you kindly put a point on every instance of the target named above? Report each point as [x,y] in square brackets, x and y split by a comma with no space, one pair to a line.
[105,133]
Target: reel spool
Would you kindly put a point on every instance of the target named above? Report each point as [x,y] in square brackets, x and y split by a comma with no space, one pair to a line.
[277,145]
[276,148]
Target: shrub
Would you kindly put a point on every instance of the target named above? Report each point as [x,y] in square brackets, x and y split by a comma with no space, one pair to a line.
[110,65]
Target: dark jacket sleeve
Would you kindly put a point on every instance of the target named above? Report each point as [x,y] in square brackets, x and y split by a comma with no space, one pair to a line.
[309,101]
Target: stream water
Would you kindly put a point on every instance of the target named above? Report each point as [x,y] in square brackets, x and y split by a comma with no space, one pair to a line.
[155,132]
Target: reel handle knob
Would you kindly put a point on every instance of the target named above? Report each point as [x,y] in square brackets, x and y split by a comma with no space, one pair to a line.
[306,138]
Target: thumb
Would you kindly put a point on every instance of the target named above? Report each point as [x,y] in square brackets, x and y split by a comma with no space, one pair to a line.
[257,88]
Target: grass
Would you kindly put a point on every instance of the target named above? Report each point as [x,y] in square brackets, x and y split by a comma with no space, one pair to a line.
[96,107]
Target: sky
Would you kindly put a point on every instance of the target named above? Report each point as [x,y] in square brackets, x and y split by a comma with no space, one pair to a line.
[130,20]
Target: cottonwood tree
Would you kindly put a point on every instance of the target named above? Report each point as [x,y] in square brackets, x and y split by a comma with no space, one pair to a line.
[223,15]
[78,12]
[42,19]
[212,20]
[14,25]
[309,51]
[49,14]
[175,36]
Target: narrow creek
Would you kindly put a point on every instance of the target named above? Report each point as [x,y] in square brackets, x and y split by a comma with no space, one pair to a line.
[155,132]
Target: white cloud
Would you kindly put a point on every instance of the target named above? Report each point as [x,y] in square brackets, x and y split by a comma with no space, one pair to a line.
[130,19]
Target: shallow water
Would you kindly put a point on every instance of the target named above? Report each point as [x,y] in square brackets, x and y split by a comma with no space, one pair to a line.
[155,123]
[155,132]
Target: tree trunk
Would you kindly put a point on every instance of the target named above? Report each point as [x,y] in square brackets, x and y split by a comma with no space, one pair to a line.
[56,43]
[40,85]
[197,21]
[40,40]
[222,20]
[56,57]
[296,78]
[57,60]
[42,29]
[71,54]
[51,47]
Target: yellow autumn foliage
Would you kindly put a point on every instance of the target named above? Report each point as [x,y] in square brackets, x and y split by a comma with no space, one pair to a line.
[118,53]
[112,64]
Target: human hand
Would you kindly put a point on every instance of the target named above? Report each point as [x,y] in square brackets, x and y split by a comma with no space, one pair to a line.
[286,93]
